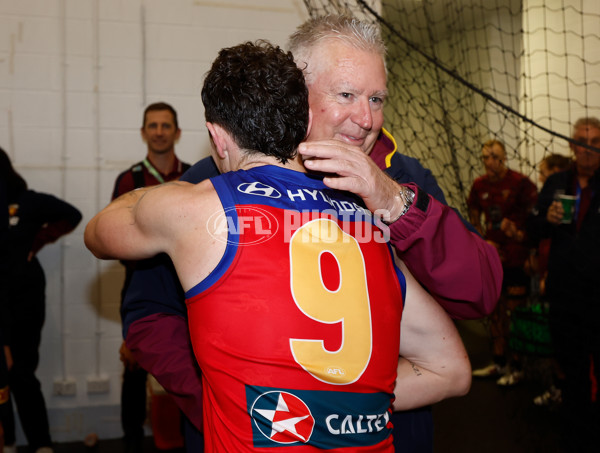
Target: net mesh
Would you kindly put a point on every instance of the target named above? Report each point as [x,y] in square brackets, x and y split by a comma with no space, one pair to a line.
[461,72]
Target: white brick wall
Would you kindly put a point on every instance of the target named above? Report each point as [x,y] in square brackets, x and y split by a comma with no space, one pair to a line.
[68,139]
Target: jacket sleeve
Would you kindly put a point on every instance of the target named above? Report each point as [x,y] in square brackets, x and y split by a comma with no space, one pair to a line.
[458,267]
[161,345]
[155,329]
[57,217]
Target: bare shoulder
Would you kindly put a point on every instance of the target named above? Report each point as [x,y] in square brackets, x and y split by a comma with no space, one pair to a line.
[180,195]
[174,207]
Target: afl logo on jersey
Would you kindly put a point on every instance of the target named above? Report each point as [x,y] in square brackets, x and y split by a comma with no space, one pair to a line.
[282,417]
[245,225]
[260,189]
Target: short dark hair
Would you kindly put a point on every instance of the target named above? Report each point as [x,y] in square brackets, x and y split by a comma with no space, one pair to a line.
[257,94]
[161,106]
[557,161]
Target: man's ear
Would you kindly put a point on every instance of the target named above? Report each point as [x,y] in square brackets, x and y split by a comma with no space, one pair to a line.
[219,138]
[309,126]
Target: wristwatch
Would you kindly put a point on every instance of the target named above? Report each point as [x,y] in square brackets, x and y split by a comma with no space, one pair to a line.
[408,197]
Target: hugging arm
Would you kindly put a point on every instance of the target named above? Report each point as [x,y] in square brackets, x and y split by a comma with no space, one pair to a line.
[457,266]
[139,224]
[434,364]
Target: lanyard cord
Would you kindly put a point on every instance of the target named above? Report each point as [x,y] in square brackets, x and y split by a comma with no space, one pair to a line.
[153,171]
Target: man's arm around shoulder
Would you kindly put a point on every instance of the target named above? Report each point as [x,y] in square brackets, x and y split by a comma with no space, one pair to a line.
[459,268]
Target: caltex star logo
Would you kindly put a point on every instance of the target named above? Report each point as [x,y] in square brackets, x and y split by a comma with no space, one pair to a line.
[282,417]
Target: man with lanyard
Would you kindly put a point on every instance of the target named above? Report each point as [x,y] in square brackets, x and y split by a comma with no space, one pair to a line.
[160,131]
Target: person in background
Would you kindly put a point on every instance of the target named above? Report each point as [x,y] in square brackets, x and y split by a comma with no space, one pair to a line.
[572,286]
[34,220]
[549,165]
[160,131]
[297,332]
[346,94]
[499,203]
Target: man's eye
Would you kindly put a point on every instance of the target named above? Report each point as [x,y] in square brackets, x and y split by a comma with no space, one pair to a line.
[346,95]
[376,100]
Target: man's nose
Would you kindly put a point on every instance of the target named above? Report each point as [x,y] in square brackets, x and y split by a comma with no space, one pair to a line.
[363,115]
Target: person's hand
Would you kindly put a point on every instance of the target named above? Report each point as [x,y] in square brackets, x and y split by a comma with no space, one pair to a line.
[508,227]
[555,213]
[354,171]
[127,358]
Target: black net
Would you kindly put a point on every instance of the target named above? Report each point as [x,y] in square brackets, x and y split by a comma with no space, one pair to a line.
[461,72]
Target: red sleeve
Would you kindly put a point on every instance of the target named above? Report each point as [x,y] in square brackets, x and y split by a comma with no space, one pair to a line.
[160,343]
[459,268]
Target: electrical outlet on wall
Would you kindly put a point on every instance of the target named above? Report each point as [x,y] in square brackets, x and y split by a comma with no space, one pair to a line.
[98,384]
[65,387]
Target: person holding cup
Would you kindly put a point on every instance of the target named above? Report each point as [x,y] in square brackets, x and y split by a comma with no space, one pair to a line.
[572,285]
[499,203]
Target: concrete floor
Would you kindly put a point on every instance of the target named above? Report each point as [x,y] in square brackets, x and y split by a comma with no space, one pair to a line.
[491,418]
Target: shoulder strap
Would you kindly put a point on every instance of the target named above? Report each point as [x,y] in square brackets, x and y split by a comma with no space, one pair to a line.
[137,171]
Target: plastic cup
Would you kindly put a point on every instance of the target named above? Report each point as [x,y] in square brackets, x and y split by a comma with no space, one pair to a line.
[568,204]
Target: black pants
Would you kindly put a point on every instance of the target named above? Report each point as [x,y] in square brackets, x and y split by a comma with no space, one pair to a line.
[575,338]
[133,407]
[27,302]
